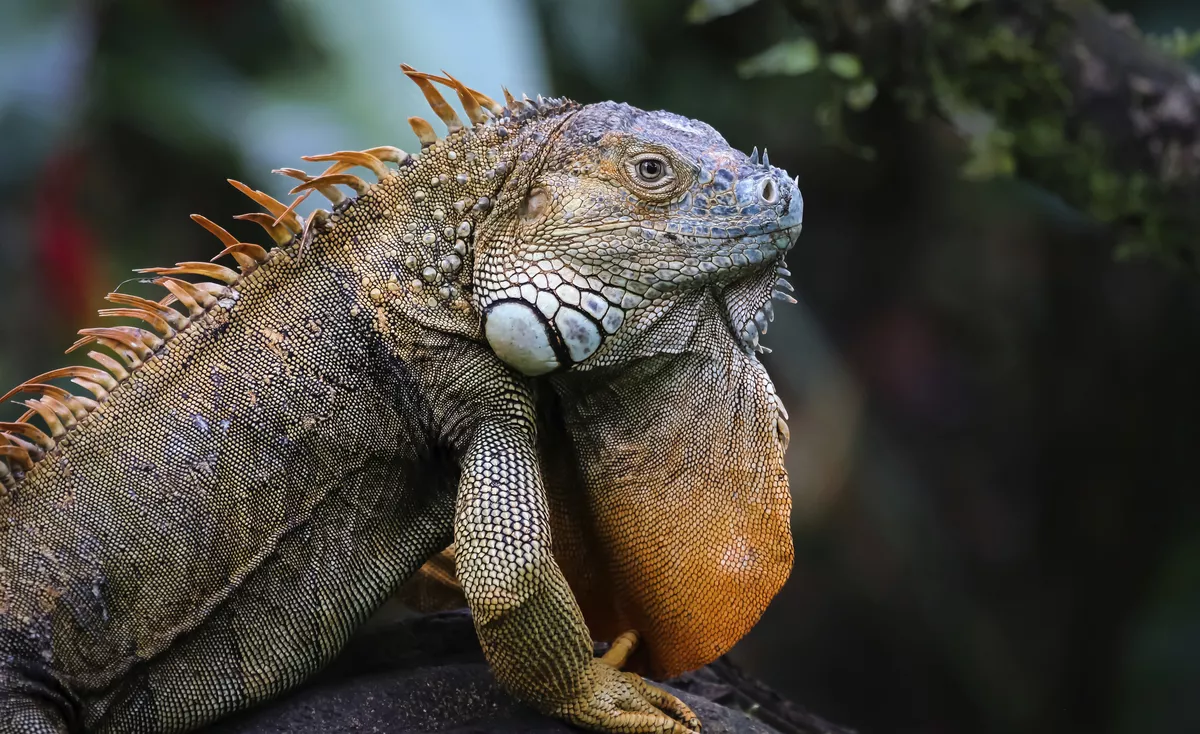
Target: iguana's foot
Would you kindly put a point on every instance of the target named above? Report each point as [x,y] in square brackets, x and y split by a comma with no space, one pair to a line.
[624,703]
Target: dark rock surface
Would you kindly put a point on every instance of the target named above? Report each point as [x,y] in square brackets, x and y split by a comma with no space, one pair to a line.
[427,674]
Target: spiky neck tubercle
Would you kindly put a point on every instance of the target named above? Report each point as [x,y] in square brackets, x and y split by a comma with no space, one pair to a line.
[410,238]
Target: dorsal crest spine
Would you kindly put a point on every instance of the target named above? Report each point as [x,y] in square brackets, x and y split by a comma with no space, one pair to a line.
[22,444]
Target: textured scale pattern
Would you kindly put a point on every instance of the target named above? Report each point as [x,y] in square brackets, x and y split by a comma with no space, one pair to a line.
[535,339]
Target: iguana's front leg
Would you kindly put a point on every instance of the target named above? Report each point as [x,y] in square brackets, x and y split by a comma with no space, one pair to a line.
[530,626]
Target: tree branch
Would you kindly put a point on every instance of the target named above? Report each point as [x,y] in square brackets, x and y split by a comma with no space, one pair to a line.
[1058,92]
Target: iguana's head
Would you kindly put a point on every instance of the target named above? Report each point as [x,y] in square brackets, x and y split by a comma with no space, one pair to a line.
[620,215]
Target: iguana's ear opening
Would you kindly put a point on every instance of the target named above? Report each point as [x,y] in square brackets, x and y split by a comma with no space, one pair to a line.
[535,205]
[669,501]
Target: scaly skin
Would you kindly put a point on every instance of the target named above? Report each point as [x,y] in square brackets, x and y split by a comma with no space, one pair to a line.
[527,340]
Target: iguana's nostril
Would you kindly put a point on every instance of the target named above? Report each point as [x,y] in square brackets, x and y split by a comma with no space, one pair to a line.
[769,192]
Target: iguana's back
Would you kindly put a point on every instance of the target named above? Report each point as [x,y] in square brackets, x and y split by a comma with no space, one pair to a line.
[258,474]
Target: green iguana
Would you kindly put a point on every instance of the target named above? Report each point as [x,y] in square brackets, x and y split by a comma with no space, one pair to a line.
[536,339]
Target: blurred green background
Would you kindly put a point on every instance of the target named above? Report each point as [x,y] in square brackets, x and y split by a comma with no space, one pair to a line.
[994,426]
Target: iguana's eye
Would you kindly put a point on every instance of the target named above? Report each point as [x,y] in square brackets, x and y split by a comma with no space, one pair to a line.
[652,171]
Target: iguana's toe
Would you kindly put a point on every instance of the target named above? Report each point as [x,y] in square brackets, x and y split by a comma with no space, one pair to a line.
[624,703]
[621,648]
[668,704]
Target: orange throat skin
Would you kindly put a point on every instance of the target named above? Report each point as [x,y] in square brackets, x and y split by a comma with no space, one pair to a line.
[678,529]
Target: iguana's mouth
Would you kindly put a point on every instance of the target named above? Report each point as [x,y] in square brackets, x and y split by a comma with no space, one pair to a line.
[748,301]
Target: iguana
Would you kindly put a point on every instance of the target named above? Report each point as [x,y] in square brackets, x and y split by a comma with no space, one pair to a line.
[535,339]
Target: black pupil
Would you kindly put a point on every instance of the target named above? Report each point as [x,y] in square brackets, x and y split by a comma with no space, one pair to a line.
[651,169]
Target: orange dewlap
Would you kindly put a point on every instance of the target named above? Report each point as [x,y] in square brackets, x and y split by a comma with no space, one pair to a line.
[680,529]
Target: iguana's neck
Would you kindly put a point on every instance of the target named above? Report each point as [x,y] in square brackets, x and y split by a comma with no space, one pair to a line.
[410,240]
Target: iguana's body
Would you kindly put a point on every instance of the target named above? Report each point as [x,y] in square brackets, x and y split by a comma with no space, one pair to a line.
[214,528]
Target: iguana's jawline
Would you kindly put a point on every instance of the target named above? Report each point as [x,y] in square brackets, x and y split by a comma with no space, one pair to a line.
[771,283]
